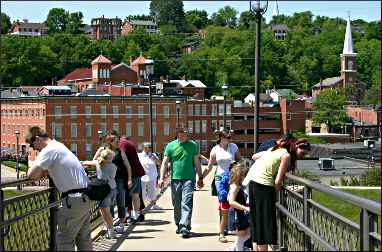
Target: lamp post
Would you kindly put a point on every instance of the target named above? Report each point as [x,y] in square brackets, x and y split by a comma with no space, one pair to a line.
[177,115]
[258,10]
[145,72]
[225,92]
[17,133]
[100,135]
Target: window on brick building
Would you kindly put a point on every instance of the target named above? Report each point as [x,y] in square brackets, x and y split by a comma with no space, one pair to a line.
[73,148]
[88,112]
[214,108]
[103,127]
[213,125]
[89,151]
[73,129]
[166,112]
[141,129]
[73,112]
[128,129]
[190,109]
[221,109]
[57,112]
[116,127]
[115,112]
[204,126]
[228,124]
[103,111]
[154,111]
[166,128]
[204,146]
[228,108]
[197,109]
[204,109]
[154,129]
[141,111]
[197,126]
[129,111]
[191,126]
[57,130]
[88,129]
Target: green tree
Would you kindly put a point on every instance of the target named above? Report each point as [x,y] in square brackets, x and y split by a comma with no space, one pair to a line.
[225,17]
[57,20]
[75,25]
[246,20]
[168,12]
[329,108]
[197,19]
[5,23]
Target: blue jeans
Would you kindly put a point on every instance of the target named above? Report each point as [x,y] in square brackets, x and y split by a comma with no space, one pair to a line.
[182,194]
[121,191]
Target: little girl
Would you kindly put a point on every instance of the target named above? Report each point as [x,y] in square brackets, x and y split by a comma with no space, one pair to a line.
[237,200]
[106,170]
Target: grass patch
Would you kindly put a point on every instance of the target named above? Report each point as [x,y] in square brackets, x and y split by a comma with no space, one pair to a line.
[343,208]
[12,164]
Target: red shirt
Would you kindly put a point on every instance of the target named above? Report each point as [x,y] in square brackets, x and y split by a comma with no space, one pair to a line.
[131,153]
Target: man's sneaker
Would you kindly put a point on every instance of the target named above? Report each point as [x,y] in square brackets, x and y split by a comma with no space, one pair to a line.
[141,217]
[184,232]
[156,207]
[120,229]
[110,234]
[178,229]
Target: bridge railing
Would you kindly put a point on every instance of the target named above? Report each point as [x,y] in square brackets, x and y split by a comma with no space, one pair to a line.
[28,221]
[307,225]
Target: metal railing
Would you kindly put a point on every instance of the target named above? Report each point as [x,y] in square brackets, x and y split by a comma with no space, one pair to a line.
[29,221]
[306,225]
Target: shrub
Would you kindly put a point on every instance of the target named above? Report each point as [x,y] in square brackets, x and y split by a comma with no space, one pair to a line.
[344,181]
[372,177]
[12,164]
[333,183]
[307,175]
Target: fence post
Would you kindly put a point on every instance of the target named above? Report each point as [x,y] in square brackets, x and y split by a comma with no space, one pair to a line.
[306,213]
[53,216]
[364,230]
[2,233]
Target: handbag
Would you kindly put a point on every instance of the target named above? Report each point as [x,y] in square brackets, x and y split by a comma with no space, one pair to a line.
[97,189]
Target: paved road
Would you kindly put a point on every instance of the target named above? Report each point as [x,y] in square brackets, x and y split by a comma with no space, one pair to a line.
[157,233]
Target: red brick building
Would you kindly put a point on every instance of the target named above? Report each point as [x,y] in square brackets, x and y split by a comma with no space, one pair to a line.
[75,120]
[147,25]
[106,28]
[26,28]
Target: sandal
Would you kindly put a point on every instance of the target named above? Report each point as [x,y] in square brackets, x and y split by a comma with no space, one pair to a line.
[222,238]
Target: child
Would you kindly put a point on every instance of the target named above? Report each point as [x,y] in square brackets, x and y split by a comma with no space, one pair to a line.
[106,170]
[237,200]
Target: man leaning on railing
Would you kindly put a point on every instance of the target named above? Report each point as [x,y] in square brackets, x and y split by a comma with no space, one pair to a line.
[64,168]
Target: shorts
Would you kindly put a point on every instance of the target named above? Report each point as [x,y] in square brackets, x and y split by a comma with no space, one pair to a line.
[109,200]
[224,205]
[136,187]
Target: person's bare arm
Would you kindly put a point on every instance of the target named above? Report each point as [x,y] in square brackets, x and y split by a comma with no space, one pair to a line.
[98,152]
[284,164]
[88,163]
[36,172]
[211,162]
[233,191]
[198,169]
[257,155]
[163,169]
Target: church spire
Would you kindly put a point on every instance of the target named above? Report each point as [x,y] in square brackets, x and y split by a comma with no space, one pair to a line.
[275,10]
[348,43]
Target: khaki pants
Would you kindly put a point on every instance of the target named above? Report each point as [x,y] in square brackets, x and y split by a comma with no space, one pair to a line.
[74,224]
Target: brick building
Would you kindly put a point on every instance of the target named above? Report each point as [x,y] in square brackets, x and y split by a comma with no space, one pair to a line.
[75,120]
[106,28]
[26,28]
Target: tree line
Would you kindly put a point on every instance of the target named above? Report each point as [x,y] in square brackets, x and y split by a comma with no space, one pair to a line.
[225,53]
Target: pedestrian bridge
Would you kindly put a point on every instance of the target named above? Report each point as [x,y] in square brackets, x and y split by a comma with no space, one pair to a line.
[28,221]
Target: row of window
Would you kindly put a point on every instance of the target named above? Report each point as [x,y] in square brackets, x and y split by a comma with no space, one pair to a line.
[13,113]
[10,130]
[201,109]
[116,111]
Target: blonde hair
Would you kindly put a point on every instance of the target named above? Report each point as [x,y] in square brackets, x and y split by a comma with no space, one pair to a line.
[238,171]
[102,159]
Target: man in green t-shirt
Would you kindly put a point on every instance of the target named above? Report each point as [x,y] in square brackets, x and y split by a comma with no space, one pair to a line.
[184,157]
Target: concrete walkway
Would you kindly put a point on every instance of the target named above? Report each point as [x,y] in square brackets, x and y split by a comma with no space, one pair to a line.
[157,232]
[9,173]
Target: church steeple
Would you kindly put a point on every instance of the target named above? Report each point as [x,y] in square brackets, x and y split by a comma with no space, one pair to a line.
[348,43]
[348,59]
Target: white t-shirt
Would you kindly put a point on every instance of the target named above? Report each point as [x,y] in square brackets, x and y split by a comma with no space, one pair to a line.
[148,164]
[224,157]
[63,166]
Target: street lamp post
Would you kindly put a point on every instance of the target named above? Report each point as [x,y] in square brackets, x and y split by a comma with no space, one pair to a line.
[258,10]
[177,115]
[225,92]
[145,72]
[17,133]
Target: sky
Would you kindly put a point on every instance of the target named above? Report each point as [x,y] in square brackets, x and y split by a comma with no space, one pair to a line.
[37,11]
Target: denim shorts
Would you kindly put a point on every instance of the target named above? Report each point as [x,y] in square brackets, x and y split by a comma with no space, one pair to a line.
[136,188]
[109,200]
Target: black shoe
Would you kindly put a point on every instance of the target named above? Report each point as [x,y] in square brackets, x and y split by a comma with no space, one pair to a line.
[185,233]
[178,229]
[141,217]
